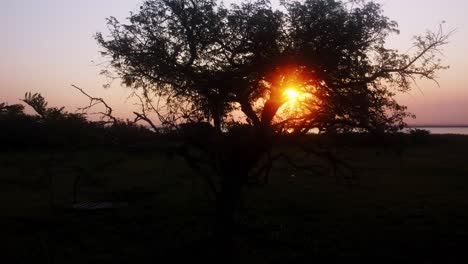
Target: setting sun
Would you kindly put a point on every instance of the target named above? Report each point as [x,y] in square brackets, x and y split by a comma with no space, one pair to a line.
[291,93]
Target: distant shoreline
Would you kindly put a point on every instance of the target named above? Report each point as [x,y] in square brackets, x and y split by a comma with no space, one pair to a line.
[441,126]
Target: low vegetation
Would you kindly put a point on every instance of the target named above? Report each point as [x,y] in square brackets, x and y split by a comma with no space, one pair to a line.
[399,206]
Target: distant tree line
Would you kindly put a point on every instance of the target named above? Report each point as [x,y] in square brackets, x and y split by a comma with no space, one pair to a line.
[55,128]
[52,127]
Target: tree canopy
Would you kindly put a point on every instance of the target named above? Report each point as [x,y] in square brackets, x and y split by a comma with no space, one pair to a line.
[207,62]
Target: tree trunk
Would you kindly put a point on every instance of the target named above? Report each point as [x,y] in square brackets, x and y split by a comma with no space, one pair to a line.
[226,210]
[244,150]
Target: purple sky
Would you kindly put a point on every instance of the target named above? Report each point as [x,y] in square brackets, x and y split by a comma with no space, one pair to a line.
[47,45]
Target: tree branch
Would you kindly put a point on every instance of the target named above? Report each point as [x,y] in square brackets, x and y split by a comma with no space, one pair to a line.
[93,101]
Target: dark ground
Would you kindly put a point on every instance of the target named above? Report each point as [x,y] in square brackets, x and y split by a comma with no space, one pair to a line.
[401,208]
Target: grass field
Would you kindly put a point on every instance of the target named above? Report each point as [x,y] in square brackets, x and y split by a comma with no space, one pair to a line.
[412,206]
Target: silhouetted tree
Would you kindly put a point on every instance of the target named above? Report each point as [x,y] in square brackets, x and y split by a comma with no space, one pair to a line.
[52,127]
[201,62]
[14,125]
[11,110]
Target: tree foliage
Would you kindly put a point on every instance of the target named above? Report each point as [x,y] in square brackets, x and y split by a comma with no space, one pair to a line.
[53,127]
[204,62]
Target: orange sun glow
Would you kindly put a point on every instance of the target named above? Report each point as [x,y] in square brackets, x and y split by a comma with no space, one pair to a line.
[291,94]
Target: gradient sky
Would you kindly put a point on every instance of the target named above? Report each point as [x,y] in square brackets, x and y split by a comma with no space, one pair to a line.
[48,44]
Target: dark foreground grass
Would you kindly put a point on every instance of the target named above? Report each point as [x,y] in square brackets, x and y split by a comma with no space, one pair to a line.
[409,207]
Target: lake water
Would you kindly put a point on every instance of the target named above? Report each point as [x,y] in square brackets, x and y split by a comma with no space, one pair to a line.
[446,130]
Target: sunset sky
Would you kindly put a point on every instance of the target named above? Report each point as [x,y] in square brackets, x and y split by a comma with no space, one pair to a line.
[48,44]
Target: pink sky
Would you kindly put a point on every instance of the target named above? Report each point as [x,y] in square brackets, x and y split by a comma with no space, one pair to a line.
[48,45]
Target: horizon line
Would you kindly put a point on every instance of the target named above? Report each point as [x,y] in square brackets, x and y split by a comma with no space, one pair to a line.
[437,125]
